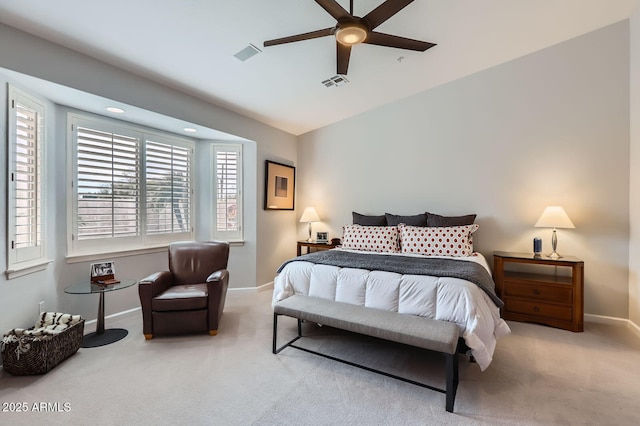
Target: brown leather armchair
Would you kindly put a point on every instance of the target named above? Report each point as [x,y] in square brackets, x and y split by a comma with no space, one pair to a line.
[190,296]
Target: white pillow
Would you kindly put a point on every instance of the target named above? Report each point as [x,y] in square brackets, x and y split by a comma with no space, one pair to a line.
[454,241]
[379,239]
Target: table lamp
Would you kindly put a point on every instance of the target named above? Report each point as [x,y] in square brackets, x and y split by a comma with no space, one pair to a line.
[554,217]
[309,215]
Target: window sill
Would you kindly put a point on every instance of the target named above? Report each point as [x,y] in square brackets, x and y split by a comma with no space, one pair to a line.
[87,257]
[26,270]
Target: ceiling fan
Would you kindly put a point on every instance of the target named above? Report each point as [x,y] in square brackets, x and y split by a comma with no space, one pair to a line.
[351,30]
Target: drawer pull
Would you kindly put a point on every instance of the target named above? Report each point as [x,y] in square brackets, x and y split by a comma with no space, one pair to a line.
[536,309]
[536,291]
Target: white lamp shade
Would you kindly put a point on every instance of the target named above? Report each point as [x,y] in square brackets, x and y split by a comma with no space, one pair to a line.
[310,215]
[554,217]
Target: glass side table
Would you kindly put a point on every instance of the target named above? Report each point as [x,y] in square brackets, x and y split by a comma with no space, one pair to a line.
[101,336]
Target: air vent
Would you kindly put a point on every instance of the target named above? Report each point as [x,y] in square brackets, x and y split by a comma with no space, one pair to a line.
[336,80]
[247,52]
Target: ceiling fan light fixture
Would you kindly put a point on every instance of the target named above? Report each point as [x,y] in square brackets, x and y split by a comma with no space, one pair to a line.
[351,30]
[351,34]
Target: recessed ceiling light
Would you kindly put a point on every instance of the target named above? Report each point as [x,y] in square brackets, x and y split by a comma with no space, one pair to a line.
[115,110]
[190,129]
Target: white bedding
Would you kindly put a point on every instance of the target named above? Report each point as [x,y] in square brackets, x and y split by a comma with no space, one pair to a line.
[441,298]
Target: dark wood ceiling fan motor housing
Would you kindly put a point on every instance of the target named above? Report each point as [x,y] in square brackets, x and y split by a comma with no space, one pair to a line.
[350,30]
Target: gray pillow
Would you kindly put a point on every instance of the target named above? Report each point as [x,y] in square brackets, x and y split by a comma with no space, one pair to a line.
[365,220]
[438,220]
[415,220]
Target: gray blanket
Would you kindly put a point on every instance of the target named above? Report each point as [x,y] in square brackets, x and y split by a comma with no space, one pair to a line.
[433,266]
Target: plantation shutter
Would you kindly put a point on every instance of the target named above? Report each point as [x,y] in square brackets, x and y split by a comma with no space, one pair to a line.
[25,187]
[133,190]
[108,184]
[26,177]
[168,188]
[228,188]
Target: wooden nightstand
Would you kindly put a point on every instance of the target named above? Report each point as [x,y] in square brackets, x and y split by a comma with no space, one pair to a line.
[309,246]
[542,296]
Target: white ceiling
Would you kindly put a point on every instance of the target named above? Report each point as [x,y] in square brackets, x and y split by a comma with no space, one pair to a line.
[189,45]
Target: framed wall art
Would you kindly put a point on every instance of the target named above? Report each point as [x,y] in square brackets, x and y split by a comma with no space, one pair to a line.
[280,186]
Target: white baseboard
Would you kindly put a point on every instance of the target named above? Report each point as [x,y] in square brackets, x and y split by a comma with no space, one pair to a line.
[635,329]
[117,314]
[602,319]
[262,287]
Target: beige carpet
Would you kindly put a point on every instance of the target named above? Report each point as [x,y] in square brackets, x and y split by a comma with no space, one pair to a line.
[539,376]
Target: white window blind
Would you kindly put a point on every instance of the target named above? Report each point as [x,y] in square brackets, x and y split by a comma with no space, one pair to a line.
[25,194]
[227,167]
[27,178]
[168,188]
[132,189]
[108,184]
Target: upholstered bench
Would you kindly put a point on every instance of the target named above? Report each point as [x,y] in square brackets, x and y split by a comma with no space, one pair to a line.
[434,335]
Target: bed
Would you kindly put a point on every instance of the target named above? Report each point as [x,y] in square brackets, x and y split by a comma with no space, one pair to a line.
[415,270]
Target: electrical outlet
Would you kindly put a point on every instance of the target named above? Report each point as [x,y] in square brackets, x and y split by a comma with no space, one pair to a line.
[41,306]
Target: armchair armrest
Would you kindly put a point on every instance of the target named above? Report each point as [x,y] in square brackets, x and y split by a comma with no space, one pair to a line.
[217,284]
[155,283]
[218,275]
[148,288]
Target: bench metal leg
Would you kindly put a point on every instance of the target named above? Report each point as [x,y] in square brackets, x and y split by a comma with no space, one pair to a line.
[275,349]
[451,365]
[452,379]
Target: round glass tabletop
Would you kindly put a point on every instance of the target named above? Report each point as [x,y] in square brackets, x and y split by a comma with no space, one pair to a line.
[89,287]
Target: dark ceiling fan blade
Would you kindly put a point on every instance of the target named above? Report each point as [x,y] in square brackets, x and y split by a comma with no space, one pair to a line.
[381,39]
[385,11]
[300,37]
[343,54]
[333,8]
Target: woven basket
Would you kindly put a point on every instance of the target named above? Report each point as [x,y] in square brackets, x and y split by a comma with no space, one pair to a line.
[44,353]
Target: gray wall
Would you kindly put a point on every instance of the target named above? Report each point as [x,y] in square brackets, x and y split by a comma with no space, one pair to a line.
[270,238]
[634,194]
[545,129]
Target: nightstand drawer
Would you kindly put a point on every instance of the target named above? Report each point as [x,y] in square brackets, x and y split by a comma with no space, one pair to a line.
[543,310]
[539,292]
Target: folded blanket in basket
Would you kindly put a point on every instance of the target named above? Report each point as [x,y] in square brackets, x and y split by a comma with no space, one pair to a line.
[36,350]
[49,324]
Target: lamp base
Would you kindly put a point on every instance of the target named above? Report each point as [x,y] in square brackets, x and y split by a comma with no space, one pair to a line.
[554,244]
[554,255]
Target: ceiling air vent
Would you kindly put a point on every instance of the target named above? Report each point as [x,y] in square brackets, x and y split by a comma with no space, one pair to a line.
[336,80]
[247,52]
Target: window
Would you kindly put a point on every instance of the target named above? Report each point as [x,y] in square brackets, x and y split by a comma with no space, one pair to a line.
[131,189]
[26,249]
[227,183]
[168,183]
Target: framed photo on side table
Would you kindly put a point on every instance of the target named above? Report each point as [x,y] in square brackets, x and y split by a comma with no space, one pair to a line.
[103,273]
[322,237]
[279,186]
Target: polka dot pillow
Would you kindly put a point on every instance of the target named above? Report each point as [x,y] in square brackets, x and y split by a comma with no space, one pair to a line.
[454,241]
[379,239]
